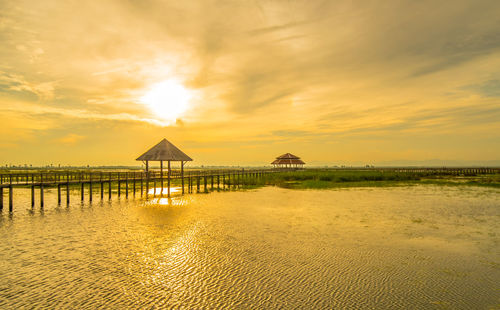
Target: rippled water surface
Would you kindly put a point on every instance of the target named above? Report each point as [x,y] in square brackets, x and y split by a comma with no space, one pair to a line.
[379,248]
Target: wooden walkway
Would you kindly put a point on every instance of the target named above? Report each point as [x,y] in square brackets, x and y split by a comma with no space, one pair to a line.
[125,182]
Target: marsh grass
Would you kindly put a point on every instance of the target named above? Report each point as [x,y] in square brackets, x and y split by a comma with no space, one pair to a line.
[322,179]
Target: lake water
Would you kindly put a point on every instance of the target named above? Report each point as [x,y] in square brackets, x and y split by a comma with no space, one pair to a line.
[425,247]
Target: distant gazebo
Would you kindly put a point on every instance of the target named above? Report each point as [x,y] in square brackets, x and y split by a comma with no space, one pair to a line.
[288,161]
[165,151]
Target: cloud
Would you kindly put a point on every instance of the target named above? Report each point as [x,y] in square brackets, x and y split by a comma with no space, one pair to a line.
[263,70]
[35,110]
[490,88]
[70,139]
[16,83]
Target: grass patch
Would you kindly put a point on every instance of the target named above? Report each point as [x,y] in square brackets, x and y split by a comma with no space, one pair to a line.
[323,179]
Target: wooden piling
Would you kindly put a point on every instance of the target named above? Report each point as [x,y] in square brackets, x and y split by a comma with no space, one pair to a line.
[147,183]
[1,198]
[102,190]
[133,185]
[142,184]
[59,194]
[109,189]
[81,192]
[90,188]
[205,183]
[198,184]
[41,196]
[11,198]
[67,192]
[126,185]
[32,196]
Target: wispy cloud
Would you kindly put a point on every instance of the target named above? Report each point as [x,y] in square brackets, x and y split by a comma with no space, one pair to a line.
[17,83]
[70,139]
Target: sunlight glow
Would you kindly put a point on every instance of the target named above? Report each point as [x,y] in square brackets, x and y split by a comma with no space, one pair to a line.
[159,190]
[168,100]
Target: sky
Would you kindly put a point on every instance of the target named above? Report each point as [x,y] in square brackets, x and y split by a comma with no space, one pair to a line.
[334,82]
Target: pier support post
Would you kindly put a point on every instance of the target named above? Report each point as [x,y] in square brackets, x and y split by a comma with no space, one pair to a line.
[41,196]
[1,198]
[142,185]
[11,199]
[126,185]
[90,189]
[32,196]
[154,187]
[81,191]
[198,184]
[133,184]
[59,194]
[109,189]
[102,190]
[212,182]
[67,192]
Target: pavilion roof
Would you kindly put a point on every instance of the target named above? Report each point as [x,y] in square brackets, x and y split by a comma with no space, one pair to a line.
[287,156]
[164,151]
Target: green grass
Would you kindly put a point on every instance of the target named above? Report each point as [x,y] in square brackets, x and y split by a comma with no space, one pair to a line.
[323,179]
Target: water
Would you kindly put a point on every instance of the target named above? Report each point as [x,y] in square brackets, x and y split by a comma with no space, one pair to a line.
[378,248]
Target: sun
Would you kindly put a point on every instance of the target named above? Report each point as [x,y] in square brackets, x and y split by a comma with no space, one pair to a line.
[168,100]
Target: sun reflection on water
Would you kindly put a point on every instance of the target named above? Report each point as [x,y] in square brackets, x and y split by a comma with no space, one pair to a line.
[165,201]
[164,190]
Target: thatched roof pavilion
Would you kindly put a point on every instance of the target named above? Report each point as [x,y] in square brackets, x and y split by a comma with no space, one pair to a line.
[165,151]
[288,161]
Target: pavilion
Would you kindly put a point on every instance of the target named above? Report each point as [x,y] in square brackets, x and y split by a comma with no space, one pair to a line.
[288,161]
[165,151]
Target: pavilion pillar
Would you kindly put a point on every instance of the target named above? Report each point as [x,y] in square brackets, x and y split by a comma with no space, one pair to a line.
[147,180]
[182,176]
[161,176]
[168,181]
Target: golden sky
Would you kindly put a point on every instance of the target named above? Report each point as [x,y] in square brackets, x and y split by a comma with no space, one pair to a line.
[334,82]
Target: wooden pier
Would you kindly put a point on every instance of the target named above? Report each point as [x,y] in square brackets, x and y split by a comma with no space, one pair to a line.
[129,182]
[141,183]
